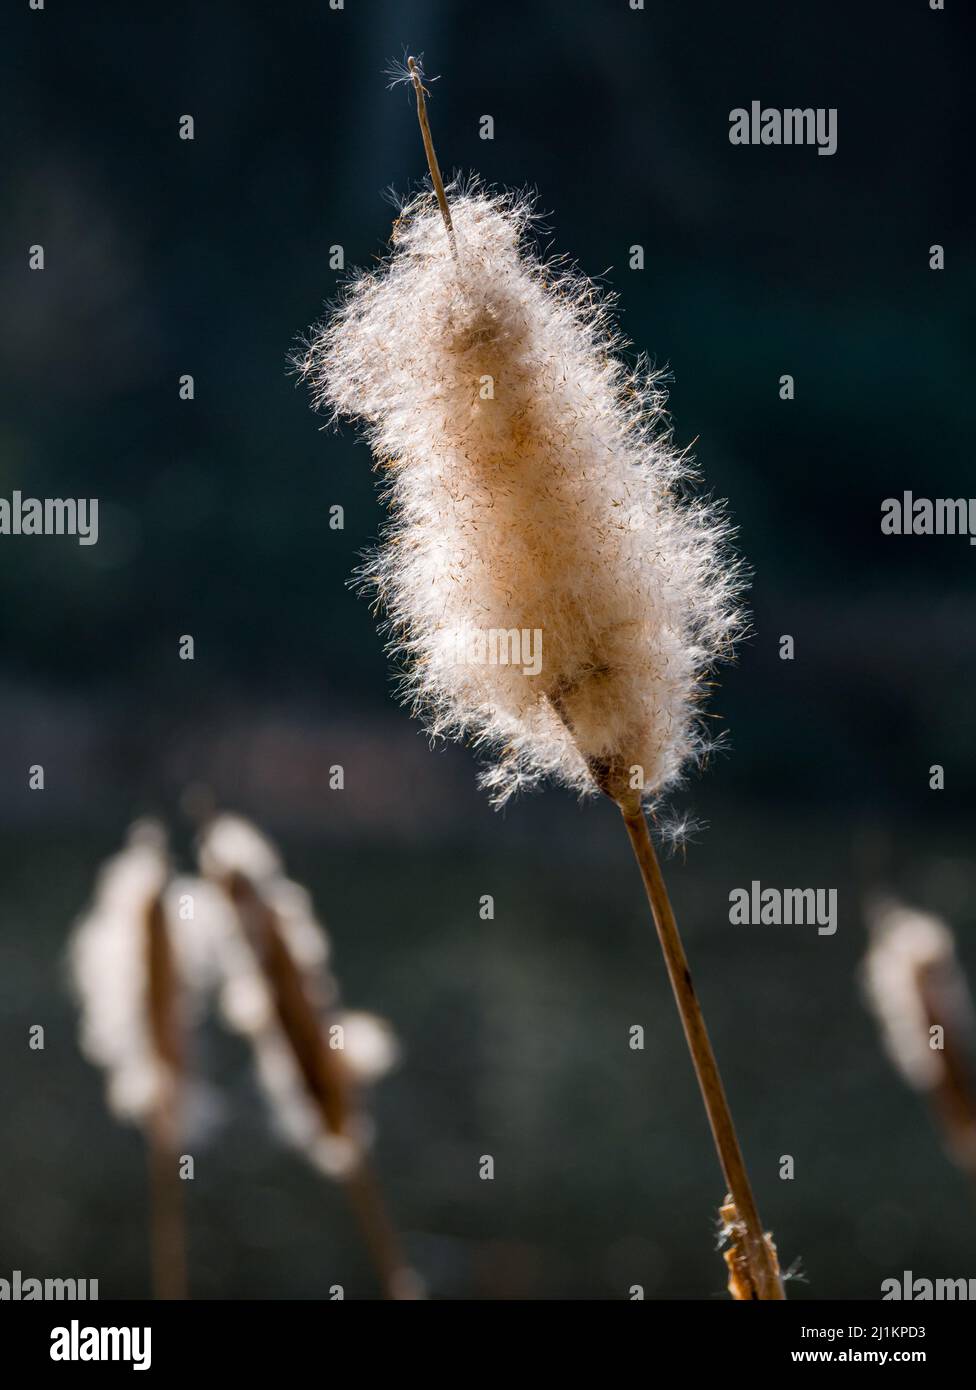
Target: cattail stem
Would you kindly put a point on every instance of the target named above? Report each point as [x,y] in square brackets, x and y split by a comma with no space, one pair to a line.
[365,1197]
[764,1275]
[432,164]
[166,1214]
[166,1218]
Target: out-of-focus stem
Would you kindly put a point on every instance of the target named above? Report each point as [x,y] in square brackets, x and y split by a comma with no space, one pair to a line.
[167,1222]
[166,1219]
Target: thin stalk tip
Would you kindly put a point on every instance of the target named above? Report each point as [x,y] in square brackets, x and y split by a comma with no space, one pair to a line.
[416,76]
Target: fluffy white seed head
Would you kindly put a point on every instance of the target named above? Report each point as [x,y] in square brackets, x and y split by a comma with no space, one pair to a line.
[108,963]
[549,593]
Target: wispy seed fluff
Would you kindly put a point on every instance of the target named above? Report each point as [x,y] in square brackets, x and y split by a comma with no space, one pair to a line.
[534,503]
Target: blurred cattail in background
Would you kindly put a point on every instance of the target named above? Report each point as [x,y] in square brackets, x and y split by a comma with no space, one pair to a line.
[916,988]
[313,1059]
[126,961]
[148,955]
[551,593]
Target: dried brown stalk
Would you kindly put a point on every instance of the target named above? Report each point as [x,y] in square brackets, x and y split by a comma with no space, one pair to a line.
[755,1252]
[432,164]
[742,1283]
[167,1218]
[756,1265]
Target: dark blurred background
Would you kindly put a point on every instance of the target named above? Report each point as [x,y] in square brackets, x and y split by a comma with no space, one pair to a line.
[166,257]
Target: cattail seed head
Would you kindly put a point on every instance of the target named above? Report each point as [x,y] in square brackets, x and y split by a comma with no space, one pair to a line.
[549,594]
